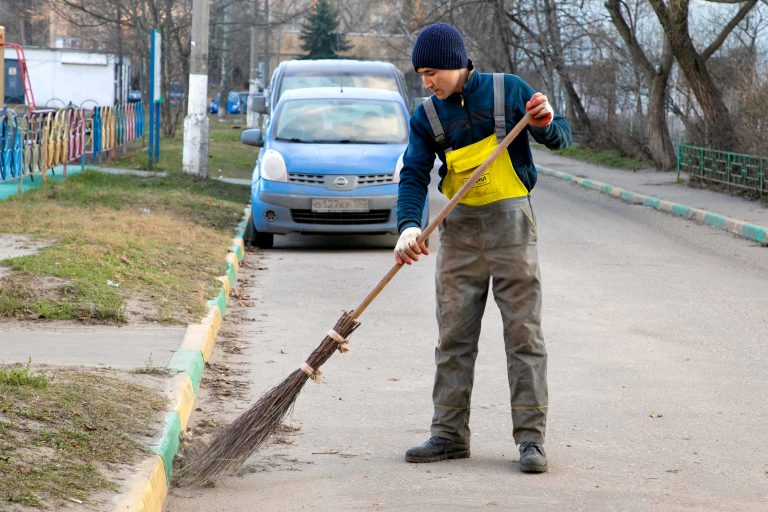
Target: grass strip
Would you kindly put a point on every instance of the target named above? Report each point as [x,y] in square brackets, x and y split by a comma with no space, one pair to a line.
[603,157]
[60,441]
[123,248]
[228,157]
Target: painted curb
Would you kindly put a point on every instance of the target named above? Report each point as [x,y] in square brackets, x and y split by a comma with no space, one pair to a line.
[732,225]
[149,486]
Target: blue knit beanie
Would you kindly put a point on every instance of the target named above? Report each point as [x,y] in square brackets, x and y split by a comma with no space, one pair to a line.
[439,46]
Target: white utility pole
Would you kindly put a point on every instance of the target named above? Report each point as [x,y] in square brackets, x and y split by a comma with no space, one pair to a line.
[224,78]
[253,76]
[195,153]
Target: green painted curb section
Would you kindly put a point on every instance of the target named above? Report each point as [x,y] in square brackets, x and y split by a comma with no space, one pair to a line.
[715,220]
[628,196]
[189,362]
[234,248]
[746,230]
[232,273]
[756,233]
[169,443]
[652,202]
[681,210]
[221,299]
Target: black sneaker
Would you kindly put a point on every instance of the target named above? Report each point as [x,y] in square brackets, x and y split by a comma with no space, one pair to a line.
[532,458]
[435,449]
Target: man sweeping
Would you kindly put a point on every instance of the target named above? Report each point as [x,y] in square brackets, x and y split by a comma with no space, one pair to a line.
[489,237]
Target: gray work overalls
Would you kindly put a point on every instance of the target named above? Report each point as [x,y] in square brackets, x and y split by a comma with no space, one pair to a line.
[480,243]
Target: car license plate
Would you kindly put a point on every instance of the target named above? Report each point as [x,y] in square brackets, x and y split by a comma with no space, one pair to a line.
[326,205]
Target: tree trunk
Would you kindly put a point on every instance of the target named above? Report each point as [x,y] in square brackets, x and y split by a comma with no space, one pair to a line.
[718,129]
[659,144]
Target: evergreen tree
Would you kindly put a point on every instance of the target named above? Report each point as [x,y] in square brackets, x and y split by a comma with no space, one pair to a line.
[319,35]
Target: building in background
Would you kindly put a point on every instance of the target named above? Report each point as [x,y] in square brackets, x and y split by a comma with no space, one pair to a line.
[57,77]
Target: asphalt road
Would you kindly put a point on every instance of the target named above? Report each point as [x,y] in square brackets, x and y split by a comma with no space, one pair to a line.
[656,331]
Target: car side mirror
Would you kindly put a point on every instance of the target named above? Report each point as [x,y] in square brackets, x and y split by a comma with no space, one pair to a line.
[252,137]
[259,104]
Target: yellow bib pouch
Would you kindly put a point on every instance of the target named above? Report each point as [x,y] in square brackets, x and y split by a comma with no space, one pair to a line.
[500,181]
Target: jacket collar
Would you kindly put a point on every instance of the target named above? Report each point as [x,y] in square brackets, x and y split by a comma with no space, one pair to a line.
[469,87]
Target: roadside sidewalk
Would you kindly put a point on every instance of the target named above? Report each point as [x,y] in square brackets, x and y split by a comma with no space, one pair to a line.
[660,190]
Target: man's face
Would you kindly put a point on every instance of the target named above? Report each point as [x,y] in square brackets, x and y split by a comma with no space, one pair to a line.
[442,82]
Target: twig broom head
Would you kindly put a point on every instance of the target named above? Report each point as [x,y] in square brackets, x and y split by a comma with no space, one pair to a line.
[239,440]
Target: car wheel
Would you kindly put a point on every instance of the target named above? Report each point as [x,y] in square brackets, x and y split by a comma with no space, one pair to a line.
[253,238]
[264,240]
[249,232]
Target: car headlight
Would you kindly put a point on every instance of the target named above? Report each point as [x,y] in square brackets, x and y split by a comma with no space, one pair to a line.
[273,166]
[398,168]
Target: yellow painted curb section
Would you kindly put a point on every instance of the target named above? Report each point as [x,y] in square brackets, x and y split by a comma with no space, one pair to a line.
[232,258]
[145,494]
[199,337]
[213,318]
[183,398]
[226,285]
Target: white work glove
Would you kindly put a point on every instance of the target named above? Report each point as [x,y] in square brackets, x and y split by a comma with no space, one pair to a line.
[407,249]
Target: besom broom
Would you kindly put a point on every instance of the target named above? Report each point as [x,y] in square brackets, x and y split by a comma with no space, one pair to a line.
[240,439]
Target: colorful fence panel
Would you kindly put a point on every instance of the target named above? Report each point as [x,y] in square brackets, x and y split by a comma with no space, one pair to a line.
[33,143]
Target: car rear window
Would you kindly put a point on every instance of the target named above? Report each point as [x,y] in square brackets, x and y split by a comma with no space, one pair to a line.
[340,121]
[301,81]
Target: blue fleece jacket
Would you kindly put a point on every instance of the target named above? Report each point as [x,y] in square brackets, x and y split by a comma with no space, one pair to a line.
[465,125]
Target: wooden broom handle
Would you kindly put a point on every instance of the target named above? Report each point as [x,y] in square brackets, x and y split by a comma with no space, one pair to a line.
[448,208]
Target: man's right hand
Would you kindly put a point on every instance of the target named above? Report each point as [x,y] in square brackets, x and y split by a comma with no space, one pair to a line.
[408,249]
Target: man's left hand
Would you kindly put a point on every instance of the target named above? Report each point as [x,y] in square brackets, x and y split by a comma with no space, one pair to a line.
[540,109]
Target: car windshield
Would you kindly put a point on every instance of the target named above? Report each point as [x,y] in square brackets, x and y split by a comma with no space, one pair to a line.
[300,81]
[347,121]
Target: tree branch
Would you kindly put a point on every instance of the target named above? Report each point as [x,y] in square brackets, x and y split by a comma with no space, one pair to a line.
[712,48]
[637,53]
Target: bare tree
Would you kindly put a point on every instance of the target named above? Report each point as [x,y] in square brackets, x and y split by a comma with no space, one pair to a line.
[718,129]
[656,129]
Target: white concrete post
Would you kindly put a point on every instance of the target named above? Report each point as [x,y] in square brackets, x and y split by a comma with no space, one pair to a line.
[196,126]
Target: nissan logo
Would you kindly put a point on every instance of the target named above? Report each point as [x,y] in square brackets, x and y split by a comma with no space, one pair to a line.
[341,182]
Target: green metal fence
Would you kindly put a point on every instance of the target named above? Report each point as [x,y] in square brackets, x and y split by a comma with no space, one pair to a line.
[735,171]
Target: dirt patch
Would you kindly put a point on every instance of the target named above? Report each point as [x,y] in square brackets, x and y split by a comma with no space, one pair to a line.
[67,435]
[14,245]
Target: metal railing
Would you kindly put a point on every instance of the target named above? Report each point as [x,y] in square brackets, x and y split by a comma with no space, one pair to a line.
[734,171]
[33,143]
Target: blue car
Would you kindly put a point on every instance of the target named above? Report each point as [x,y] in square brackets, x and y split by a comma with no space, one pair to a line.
[213,108]
[233,103]
[330,163]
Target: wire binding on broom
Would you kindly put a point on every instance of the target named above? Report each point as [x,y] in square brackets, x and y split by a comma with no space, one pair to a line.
[341,340]
[315,375]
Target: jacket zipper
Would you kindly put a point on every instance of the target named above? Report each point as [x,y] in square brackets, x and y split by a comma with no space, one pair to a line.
[469,118]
